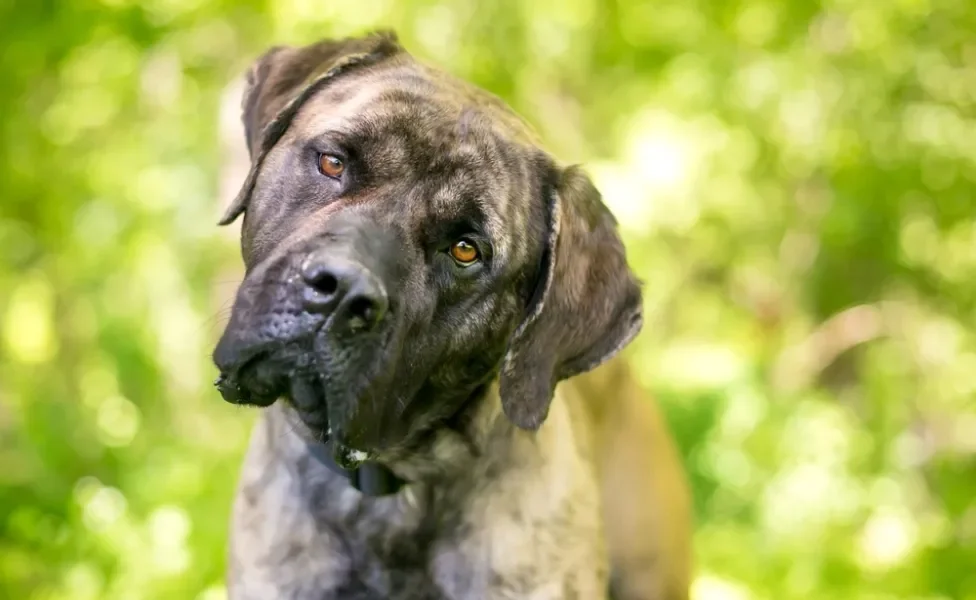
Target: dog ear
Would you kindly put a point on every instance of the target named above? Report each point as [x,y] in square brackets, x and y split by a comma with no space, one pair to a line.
[586,306]
[282,79]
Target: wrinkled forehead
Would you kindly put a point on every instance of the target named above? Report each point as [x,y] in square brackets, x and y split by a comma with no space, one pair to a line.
[419,129]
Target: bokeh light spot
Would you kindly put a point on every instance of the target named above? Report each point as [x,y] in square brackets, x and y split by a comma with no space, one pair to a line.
[28,325]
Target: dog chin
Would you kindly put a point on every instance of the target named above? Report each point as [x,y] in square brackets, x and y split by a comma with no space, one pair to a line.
[344,404]
[308,412]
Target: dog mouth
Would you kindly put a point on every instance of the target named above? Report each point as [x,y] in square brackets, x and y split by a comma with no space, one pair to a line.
[251,384]
[307,397]
[265,372]
[287,375]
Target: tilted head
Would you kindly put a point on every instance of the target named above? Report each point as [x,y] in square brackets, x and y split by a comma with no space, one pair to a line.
[407,242]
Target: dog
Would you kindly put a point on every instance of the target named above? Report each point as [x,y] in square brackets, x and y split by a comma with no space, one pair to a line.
[420,274]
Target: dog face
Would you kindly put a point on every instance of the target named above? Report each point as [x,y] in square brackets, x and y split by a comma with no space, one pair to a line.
[407,243]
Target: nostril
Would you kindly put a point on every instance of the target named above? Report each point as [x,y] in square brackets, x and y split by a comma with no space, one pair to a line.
[321,276]
[323,289]
[364,309]
[325,283]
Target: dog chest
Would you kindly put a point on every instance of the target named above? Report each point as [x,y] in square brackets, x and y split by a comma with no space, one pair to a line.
[444,557]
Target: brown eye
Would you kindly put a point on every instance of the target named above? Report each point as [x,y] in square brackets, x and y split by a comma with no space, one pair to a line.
[464,252]
[331,166]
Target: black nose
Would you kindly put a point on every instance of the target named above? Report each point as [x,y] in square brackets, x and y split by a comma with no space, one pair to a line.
[341,286]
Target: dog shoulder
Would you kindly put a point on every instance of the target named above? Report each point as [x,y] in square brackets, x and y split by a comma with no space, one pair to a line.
[532,525]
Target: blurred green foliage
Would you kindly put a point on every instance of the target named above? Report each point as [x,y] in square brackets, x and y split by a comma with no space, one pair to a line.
[796,185]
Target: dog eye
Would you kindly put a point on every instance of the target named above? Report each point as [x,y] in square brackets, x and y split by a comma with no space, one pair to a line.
[464,252]
[331,166]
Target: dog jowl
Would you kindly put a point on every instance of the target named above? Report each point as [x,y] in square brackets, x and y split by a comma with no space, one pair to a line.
[407,242]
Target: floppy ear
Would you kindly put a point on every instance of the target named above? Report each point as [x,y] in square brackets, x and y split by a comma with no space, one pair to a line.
[282,79]
[586,307]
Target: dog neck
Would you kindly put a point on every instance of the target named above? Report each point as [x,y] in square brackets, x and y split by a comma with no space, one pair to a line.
[452,447]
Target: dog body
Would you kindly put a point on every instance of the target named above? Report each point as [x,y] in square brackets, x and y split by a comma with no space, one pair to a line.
[420,275]
[518,516]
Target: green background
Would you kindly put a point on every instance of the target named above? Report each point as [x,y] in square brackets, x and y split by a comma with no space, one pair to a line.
[795,182]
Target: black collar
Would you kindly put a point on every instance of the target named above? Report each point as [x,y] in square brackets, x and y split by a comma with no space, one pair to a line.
[371,479]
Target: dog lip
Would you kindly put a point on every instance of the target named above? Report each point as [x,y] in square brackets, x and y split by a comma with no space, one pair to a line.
[231,387]
[307,397]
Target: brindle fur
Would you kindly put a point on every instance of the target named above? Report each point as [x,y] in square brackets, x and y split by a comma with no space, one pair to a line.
[510,494]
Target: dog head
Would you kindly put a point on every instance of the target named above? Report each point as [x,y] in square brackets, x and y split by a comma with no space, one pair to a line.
[406,243]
